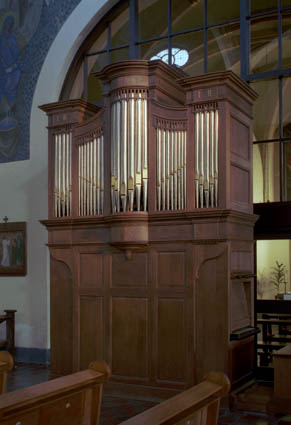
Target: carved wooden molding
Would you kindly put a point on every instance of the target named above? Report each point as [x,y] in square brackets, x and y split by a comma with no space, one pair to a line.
[168,124]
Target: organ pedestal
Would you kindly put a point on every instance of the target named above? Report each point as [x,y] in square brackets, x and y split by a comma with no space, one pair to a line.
[151,228]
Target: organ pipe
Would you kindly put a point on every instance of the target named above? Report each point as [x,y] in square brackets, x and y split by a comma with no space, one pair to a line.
[91,176]
[129,151]
[206,156]
[62,174]
[171,167]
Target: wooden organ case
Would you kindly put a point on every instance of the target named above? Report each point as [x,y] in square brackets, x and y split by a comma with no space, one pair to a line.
[151,228]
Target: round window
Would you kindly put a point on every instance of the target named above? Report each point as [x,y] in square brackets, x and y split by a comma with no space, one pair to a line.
[179,56]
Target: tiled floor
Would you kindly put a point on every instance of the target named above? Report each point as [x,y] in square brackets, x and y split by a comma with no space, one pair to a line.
[115,409]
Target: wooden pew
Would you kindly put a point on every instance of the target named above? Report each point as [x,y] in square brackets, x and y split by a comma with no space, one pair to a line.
[196,406]
[6,364]
[8,344]
[70,400]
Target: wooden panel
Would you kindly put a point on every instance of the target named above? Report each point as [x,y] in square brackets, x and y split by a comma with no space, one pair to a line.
[130,351]
[241,359]
[212,313]
[239,137]
[242,260]
[61,318]
[172,347]
[241,313]
[68,411]
[171,269]
[129,272]
[28,419]
[91,330]
[91,270]
[239,178]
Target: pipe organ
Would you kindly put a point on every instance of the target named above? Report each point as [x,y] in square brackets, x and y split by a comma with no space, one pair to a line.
[150,228]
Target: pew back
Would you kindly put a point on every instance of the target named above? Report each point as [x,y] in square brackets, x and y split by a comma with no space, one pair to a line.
[6,364]
[197,406]
[70,400]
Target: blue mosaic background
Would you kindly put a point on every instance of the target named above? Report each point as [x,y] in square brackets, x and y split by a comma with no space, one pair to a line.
[51,17]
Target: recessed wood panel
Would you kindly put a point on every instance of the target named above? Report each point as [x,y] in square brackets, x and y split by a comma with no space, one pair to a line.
[61,318]
[172,347]
[241,260]
[91,270]
[239,184]
[92,330]
[212,313]
[239,132]
[131,272]
[171,269]
[130,337]
[53,413]
[240,305]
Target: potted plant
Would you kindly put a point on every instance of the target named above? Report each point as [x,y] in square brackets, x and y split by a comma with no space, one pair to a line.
[278,276]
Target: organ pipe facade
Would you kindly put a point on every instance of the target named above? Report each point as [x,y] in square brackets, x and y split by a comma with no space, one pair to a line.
[129,150]
[91,176]
[171,157]
[62,195]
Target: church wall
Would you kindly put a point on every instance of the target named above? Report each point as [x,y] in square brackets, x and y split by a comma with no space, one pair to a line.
[23,190]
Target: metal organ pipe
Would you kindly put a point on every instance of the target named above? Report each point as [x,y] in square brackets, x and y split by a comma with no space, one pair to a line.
[171,166]
[129,151]
[206,156]
[91,175]
[63,174]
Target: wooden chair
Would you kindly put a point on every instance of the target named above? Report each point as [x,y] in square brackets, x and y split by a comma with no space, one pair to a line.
[6,364]
[70,400]
[8,343]
[197,406]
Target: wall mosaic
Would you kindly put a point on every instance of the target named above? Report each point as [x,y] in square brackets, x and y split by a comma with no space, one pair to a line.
[27,30]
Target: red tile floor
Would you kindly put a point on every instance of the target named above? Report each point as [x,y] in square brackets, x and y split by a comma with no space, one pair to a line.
[115,409]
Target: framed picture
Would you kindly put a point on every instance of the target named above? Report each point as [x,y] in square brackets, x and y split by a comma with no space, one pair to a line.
[13,249]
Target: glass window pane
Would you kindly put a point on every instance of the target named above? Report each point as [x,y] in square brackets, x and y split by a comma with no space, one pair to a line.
[120,29]
[270,283]
[216,13]
[119,55]
[193,43]
[286,110]
[151,49]
[153,18]
[95,88]
[186,15]
[258,6]
[264,44]
[286,40]
[287,170]
[266,110]
[224,48]
[266,160]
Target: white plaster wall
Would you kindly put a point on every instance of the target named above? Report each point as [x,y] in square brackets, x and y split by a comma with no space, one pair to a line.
[268,252]
[23,188]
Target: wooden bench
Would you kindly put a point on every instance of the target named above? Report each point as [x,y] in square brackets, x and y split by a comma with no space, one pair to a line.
[8,343]
[70,400]
[196,406]
[6,364]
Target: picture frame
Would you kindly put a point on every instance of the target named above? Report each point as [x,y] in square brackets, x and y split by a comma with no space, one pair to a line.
[13,249]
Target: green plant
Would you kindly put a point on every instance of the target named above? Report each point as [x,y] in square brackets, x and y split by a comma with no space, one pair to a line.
[278,275]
